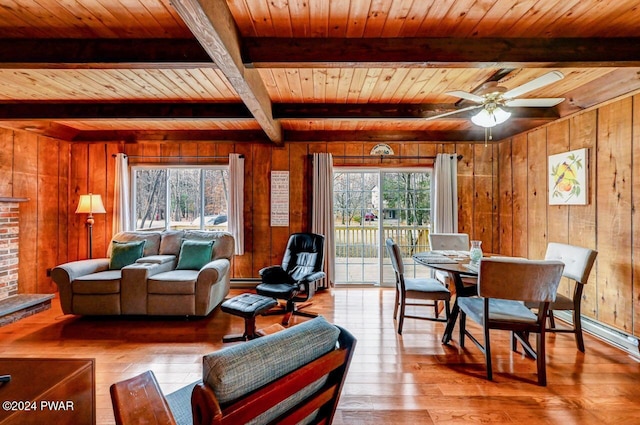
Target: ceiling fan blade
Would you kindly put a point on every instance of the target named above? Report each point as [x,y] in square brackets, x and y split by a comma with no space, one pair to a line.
[540,102]
[457,111]
[495,77]
[466,95]
[536,83]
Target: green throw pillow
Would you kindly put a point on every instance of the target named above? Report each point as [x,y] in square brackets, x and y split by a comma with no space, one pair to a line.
[194,254]
[125,253]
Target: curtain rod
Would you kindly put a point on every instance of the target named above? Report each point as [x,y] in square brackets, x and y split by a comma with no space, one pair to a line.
[386,156]
[177,157]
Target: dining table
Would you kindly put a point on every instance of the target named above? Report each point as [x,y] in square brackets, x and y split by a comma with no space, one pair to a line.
[458,265]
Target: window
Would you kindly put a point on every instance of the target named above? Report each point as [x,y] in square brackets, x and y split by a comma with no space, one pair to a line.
[180,197]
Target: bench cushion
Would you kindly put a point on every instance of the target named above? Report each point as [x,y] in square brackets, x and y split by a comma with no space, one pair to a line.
[235,371]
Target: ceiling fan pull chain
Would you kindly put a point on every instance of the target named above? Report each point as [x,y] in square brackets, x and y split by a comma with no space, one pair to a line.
[487,135]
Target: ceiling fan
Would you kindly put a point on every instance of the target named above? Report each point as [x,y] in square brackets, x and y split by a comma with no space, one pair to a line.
[491,97]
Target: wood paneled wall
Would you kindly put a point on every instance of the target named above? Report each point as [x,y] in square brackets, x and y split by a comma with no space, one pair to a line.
[608,223]
[37,168]
[92,166]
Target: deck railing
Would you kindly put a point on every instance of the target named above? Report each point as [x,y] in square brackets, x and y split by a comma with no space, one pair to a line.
[364,241]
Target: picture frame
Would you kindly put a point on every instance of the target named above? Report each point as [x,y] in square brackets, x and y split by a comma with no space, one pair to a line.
[568,178]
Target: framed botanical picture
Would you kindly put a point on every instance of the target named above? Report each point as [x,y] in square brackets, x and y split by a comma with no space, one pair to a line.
[568,182]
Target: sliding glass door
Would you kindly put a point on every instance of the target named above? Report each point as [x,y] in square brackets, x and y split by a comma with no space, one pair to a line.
[372,205]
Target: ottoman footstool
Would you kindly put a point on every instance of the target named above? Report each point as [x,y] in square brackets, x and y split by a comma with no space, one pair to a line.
[247,306]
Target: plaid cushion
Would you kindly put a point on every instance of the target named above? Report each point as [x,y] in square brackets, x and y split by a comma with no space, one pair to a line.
[240,369]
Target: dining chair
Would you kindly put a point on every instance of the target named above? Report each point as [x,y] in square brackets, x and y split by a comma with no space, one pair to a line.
[450,242]
[428,289]
[578,262]
[504,285]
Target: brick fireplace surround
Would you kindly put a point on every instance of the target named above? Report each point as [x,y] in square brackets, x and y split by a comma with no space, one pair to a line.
[13,305]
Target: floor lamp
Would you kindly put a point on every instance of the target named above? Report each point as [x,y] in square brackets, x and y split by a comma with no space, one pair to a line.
[90,204]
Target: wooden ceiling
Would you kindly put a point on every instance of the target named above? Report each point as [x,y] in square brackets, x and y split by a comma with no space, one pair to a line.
[302,70]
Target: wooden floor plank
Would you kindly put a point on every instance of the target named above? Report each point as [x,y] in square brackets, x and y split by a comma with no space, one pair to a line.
[393,379]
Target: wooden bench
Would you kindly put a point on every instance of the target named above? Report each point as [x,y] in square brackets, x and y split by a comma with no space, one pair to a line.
[140,400]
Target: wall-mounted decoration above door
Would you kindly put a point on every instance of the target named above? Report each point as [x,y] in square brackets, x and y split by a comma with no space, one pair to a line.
[381,149]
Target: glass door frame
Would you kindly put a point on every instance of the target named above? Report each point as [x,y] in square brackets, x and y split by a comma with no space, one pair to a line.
[380,222]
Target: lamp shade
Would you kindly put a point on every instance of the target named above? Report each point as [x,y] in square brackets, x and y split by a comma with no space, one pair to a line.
[483,119]
[500,115]
[90,204]
[490,118]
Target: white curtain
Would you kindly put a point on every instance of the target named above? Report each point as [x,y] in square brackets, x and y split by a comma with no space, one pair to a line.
[322,212]
[121,208]
[445,194]
[236,200]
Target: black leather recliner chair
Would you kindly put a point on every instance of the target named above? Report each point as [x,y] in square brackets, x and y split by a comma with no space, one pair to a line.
[295,280]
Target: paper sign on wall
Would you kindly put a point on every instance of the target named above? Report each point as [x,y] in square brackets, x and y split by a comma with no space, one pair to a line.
[279,198]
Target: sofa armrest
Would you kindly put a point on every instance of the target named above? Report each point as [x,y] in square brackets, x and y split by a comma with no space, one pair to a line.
[66,273]
[213,271]
[139,400]
[133,288]
[205,406]
[212,285]
[158,259]
[69,271]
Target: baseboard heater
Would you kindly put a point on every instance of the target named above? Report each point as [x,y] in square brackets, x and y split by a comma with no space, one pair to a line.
[242,283]
[626,342]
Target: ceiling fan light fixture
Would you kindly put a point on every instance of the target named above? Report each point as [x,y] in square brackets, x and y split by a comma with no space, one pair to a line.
[490,118]
[500,115]
[483,119]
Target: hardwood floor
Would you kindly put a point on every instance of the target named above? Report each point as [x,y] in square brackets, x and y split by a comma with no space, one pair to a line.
[408,379]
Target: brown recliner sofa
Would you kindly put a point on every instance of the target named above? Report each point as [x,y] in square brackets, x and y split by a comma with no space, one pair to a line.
[165,280]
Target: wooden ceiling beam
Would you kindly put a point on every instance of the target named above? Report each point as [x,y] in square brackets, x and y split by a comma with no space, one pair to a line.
[392,111]
[132,110]
[291,136]
[254,136]
[213,25]
[616,83]
[238,111]
[159,53]
[474,135]
[66,53]
[269,52]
